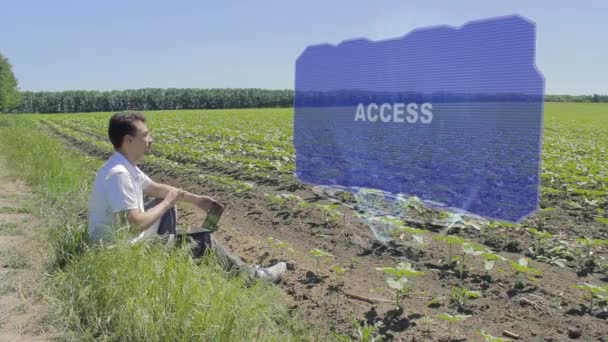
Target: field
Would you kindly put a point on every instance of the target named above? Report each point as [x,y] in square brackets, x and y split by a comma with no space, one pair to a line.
[420,274]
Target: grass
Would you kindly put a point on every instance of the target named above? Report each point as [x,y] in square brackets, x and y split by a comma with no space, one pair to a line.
[14,259]
[9,229]
[9,210]
[143,292]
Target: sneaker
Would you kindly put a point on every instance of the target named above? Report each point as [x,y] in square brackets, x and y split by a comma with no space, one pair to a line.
[273,273]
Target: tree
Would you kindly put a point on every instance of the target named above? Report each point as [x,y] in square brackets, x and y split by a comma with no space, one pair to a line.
[9,93]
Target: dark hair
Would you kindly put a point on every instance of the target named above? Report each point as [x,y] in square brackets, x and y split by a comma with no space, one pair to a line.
[121,124]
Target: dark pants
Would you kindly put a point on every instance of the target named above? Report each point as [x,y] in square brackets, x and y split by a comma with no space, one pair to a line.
[203,241]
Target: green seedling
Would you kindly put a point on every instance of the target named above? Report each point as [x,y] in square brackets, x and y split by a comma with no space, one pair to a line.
[489,338]
[339,271]
[435,301]
[451,319]
[318,255]
[472,249]
[553,260]
[453,219]
[365,333]
[281,246]
[542,217]
[521,268]
[595,294]
[368,333]
[416,234]
[490,259]
[507,228]
[427,322]
[588,248]
[331,216]
[398,279]
[275,200]
[414,203]
[504,228]
[450,240]
[540,236]
[460,295]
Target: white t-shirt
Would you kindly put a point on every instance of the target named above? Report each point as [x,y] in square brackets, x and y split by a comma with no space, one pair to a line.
[119,186]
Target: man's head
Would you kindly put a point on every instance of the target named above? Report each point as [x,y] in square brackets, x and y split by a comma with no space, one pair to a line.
[129,134]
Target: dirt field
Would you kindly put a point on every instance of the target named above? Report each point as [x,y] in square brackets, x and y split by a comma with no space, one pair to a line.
[542,307]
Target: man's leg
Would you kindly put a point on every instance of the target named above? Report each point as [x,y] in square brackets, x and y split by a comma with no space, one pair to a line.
[168,225]
[168,222]
[229,260]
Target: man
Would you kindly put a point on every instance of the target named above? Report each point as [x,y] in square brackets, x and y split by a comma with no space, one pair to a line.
[117,196]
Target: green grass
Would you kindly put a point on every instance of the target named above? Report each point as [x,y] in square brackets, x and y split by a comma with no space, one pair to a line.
[144,292]
[9,228]
[12,258]
[10,210]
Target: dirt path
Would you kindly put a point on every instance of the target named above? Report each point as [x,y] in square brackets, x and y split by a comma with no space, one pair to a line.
[22,304]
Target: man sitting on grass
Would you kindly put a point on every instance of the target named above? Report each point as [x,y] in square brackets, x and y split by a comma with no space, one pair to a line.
[118,197]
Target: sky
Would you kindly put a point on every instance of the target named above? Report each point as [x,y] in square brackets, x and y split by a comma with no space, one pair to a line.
[105,45]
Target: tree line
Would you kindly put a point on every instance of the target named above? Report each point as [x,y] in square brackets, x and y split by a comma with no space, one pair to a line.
[596,98]
[77,101]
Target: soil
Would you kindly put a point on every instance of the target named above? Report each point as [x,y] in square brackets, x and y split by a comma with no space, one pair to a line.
[543,308]
[22,304]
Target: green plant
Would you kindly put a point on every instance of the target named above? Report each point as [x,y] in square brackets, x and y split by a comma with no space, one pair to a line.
[472,249]
[398,279]
[540,236]
[369,333]
[489,338]
[426,322]
[595,294]
[339,283]
[331,216]
[450,320]
[13,258]
[460,295]
[490,259]
[542,217]
[9,228]
[279,245]
[365,333]
[507,228]
[318,255]
[521,268]
[414,203]
[416,234]
[449,240]
[503,235]
[588,247]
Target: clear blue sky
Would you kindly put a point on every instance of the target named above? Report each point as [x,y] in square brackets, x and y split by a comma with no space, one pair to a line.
[60,45]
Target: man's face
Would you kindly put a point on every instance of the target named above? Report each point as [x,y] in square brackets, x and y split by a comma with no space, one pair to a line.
[140,143]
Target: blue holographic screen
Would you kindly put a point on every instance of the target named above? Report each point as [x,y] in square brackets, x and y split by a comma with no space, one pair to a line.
[480,152]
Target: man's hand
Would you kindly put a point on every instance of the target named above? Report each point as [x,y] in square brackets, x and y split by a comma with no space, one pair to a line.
[140,220]
[174,195]
[167,192]
[205,203]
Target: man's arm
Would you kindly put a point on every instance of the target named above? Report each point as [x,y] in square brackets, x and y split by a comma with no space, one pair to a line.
[123,199]
[158,190]
[140,220]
